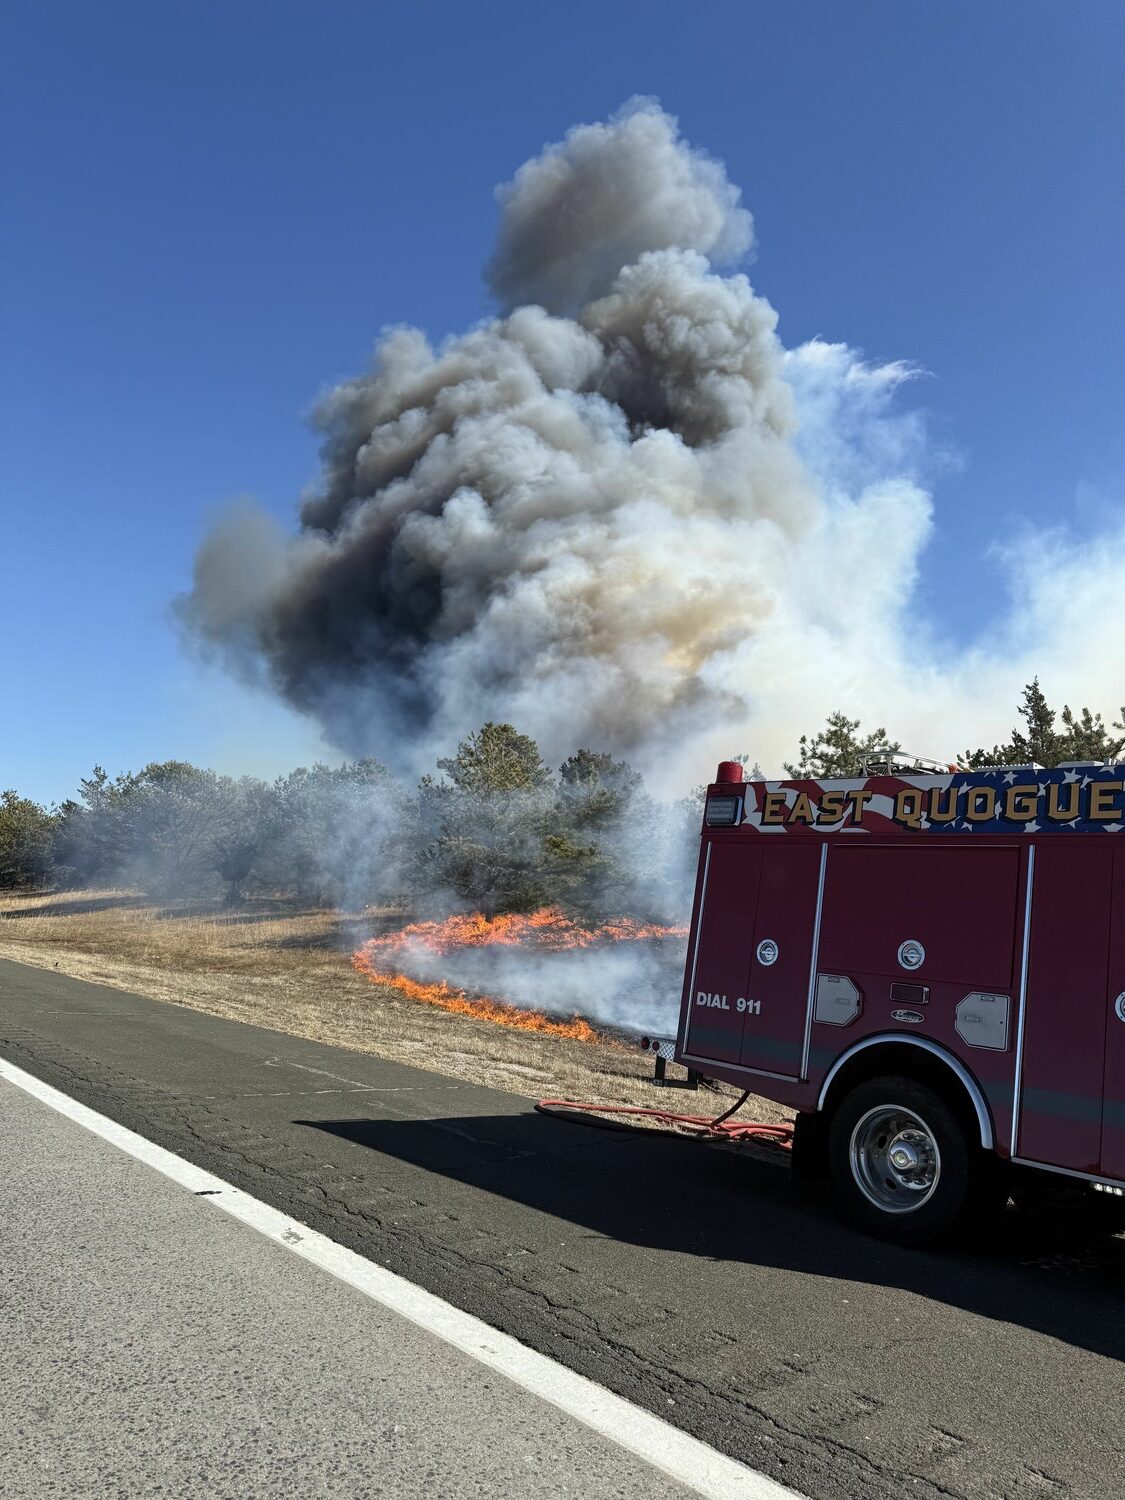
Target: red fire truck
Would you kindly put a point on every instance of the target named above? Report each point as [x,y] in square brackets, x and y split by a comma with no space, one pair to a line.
[929,966]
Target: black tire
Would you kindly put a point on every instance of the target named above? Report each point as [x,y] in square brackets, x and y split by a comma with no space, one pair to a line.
[1067,1206]
[910,1204]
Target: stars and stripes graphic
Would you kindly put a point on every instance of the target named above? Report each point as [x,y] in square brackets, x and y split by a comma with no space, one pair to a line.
[1079,799]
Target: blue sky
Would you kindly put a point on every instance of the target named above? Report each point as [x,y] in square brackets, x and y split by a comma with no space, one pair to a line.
[212,209]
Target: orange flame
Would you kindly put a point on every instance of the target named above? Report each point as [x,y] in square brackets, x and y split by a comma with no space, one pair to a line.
[546,930]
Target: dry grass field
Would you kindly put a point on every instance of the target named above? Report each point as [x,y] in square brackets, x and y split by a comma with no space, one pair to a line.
[291,970]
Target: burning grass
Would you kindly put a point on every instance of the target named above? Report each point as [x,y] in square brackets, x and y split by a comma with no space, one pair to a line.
[292,970]
[546,931]
[481,1007]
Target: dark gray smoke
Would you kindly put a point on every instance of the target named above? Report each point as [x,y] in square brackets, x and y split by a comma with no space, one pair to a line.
[563,522]
[596,516]
[578,212]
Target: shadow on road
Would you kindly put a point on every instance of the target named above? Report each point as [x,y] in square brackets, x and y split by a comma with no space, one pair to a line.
[667,1193]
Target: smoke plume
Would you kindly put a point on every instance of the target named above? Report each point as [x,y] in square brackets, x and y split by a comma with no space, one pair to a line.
[597,516]
[578,212]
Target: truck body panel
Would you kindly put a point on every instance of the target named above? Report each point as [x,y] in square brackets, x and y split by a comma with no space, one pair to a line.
[979,914]
[1113,1105]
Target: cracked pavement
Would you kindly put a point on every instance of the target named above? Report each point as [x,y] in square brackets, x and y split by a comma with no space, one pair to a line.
[699,1282]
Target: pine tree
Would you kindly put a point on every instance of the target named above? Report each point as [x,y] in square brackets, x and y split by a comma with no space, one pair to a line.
[838,750]
[1083,737]
[25,842]
[485,826]
[1088,739]
[496,758]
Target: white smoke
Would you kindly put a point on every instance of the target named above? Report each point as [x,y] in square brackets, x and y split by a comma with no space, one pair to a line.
[622,515]
[634,986]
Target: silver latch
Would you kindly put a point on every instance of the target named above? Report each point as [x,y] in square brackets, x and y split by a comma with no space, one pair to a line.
[911,954]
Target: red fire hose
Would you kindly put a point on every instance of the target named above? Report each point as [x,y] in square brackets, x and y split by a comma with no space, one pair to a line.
[718,1128]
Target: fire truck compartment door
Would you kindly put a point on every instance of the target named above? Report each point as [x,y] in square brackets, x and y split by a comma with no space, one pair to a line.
[1064,1024]
[958,903]
[1113,1105]
[781,957]
[722,956]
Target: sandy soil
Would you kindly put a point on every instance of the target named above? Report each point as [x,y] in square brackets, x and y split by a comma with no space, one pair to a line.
[270,965]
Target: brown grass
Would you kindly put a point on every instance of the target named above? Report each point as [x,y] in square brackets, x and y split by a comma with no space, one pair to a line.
[291,970]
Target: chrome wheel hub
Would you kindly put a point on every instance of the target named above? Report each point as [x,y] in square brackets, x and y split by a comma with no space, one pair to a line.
[903,1155]
[894,1159]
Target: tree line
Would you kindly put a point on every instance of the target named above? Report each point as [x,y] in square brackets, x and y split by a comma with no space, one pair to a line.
[1044,738]
[495,827]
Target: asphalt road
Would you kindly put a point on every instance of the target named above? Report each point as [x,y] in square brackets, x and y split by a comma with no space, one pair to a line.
[163,1349]
[697,1282]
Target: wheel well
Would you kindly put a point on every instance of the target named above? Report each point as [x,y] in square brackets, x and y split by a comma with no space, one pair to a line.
[907,1060]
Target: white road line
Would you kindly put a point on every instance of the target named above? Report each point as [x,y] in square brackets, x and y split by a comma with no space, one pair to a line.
[684,1458]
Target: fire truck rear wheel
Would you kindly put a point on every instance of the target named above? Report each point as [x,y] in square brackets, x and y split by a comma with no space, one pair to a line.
[901,1160]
